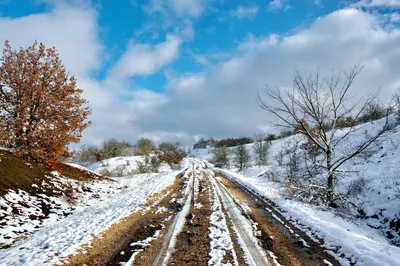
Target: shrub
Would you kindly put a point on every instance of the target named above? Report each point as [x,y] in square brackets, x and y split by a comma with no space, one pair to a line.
[345,122]
[271,137]
[89,154]
[260,149]
[171,153]
[113,148]
[231,142]
[204,143]
[145,146]
[242,157]
[155,163]
[220,156]
[373,111]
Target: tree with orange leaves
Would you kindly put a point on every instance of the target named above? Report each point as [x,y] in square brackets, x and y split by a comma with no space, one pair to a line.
[41,108]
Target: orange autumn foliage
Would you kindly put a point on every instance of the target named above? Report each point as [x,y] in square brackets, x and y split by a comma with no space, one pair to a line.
[41,108]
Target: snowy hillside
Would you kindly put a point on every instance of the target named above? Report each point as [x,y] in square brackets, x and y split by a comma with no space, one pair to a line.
[39,229]
[372,187]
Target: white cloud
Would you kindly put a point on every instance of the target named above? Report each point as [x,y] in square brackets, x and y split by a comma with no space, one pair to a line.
[276,5]
[221,101]
[245,12]
[73,31]
[145,59]
[181,8]
[379,3]
[395,17]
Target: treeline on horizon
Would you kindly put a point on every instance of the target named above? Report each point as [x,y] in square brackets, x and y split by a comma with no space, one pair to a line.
[374,111]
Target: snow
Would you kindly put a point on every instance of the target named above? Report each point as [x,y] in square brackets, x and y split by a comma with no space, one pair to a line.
[56,240]
[353,240]
[124,165]
[221,242]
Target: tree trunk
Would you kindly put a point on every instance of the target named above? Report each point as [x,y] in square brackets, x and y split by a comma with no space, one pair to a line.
[330,175]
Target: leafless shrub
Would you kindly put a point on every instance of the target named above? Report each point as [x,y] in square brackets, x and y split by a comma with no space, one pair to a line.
[220,156]
[145,146]
[155,163]
[260,149]
[273,175]
[356,187]
[279,157]
[372,111]
[241,157]
[142,167]
[119,170]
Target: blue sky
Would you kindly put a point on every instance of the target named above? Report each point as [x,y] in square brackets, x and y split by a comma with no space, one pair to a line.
[183,69]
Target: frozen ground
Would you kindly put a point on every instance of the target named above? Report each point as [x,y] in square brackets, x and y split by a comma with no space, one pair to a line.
[95,213]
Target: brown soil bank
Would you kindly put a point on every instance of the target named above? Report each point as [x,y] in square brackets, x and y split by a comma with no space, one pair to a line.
[16,173]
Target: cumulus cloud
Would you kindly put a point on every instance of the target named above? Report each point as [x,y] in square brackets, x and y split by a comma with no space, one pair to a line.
[73,31]
[245,12]
[276,5]
[221,101]
[145,59]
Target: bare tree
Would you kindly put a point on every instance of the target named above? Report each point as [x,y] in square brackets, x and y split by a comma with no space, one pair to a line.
[260,149]
[314,105]
[242,157]
[220,156]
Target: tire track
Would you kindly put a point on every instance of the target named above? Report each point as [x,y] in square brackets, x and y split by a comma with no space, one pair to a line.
[170,238]
[253,252]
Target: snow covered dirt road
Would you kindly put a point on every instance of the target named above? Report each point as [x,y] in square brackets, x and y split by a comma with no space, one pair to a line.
[196,216]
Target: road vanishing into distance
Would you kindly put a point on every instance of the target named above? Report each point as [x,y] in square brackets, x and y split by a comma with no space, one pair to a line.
[205,217]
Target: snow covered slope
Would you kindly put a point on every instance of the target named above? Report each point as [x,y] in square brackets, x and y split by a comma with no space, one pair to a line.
[373,187]
[59,239]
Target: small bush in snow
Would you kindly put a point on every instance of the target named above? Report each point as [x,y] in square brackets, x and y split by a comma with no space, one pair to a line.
[241,157]
[292,165]
[171,153]
[145,146]
[155,163]
[373,111]
[260,149]
[279,157]
[220,156]
[142,167]
[89,154]
[356,187]
[113,148]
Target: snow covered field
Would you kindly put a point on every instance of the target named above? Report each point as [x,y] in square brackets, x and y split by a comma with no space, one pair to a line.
[94,214]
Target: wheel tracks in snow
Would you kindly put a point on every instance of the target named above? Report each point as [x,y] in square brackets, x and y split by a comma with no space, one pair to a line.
[253,252]
[175,228]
